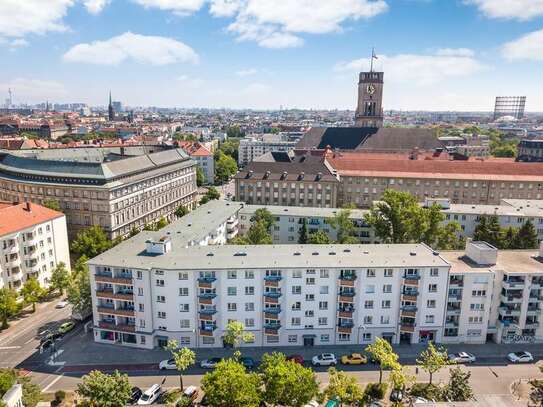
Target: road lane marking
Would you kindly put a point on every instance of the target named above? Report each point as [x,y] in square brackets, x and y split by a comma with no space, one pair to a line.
[30,340]
[53,382]
[9,347]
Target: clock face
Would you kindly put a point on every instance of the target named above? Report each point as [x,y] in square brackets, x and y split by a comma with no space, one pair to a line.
[371,89]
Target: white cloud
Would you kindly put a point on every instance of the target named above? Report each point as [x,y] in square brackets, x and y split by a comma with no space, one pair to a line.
[95,6]
[256,89]
[276,23]
[151,50]
[19,18]
[189,82]
[247,72]
[421,69]
[509,9]
[527,47]
[13,44]
[35,90]
[179,7]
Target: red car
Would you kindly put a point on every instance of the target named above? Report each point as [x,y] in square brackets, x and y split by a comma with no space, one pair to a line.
[296,358]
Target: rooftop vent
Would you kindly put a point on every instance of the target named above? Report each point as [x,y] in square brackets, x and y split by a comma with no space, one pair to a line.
[210,255]
[315,253]
[332,253]
[346,250]
[240,254]
[297,254]
[412,253]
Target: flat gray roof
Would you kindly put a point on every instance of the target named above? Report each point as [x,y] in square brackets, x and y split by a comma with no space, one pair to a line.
[509,261]
[303,211]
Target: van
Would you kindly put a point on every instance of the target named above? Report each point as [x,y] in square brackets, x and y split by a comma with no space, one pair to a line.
[150,395]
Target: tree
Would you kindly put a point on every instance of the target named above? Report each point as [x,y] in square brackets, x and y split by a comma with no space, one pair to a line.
[381,351]
[234,132]
[79,289]
[458,388]
[344,387]
[32,292]
[60,278]
[91,242]
[509,239]
[265,216]
[480,232]
[231,148]
[229,385]
[302,233]
[200,177]
[225,167]
[181,211]
[256,235]
[103,390]
[526,237]
[342,222]
[183,358]
[162,222]
[211,194]
[433,360]
[235,334]
[319,237]
[52,204]
[8,305]
[287,383]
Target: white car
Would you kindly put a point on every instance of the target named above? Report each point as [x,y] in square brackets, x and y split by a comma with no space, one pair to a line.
[61,304]
[150,395]
[520,357]
[324,359]
[168,364]
[209,363]
[462,357]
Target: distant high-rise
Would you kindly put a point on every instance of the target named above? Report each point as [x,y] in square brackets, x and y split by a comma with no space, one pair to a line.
[509,106]
[369,112]
[110,110]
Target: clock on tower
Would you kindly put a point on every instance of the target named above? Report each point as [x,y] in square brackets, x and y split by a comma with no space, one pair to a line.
[369,112]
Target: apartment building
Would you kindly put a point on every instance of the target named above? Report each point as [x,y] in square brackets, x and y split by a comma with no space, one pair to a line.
[33,240]
[530,150]
[203,157]
[118,188]
[254,146]
[289,219]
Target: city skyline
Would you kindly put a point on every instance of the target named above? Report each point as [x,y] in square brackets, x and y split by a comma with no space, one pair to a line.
[266,54]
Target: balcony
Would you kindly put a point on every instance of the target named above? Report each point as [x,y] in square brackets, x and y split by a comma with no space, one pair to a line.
[508,311]
[346,324]
[411,277]
[272,294]
[511,299]
[410,296]
[453,310]
[347,277]
[273,278]
[207,279]
[457,297]
[272,310]
[451,323]
[410,308]
[108,278]
[409,328]
[207,330]
[513,284]
[536,284]
[13,248]
[117,327]
[121,295]
[344,329]
[533,311]
[125,311]
[456,282]
[345,312]
[346,283]
[272,329]
[531,325]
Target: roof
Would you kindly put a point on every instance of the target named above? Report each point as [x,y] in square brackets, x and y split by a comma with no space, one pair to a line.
[194,148]
[383,139]
[509,261]
[133,255]
[303,211]
[15,217]
[355,164]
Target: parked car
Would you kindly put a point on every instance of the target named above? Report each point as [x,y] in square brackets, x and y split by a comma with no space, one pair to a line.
[421,400]
[249,363]
[66,327]
[135,395]
[168,364]
[462,357]
[354,359]
[191,392]
[324,359]
[150,395]
[209,363]
[520,357]
[312,403]
[50,337]
[61,304]
[296,358]
[396,395]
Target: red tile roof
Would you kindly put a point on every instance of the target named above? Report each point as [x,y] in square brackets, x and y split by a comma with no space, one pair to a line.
[194,148]
[356,164]
[16,217]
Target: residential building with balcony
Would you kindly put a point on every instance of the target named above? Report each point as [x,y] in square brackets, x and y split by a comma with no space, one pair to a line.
[33,240]
[255,146]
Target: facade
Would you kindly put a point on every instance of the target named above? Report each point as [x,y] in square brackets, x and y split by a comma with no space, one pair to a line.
[530,150]
[33,240]
[203,157]
[118,188]
[369,111]
[253,147]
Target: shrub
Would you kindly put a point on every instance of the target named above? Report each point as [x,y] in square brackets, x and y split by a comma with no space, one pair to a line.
[184,401]
[375,391]
[60,395]
[427,391]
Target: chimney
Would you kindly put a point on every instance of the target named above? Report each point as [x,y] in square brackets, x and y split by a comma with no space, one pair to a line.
[27,206]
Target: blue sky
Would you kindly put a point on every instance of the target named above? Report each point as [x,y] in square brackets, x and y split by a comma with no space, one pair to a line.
[436,54]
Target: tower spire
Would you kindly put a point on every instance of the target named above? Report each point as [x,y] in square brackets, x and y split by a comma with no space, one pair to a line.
[110,110]
[373,56]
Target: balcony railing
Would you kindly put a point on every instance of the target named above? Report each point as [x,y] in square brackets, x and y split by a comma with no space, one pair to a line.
[411,277]
[410,308]
[348,277]
[207,296]
[207,279]
[272,326]
[272,294]
[412,293]
[347,293]
[273,278]
[208,311]
[344,324]
[208,328]
[272,310]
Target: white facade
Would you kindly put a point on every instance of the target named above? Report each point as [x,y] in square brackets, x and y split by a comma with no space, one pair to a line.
[207,165]
[33,251]
[255,146]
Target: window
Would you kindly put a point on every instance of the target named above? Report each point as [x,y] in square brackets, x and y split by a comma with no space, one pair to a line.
[385,319]
[293,339]
[368,304]
[184,307]
[183,275]
[309,313]
[370,289]
[310,281]
[161,314]
[185,323]
[249,274]
[159,272]
[208,340]
[323,321]
[184,340]
[142,323]
[368,320]
[272,339]
[160,283]
[249,306]
[366,337]
[140,291]
[434,272]
[139,274]
[344,337]
[310,297]
[388,272]
[295,321]
[431,303]
[141,307]
[232,274]
[325,273]
[323,305]
[249,291]
[183,291]
[430,319]
[477,307]
[474,332]
[475,320]
[232,306]
[310,271]
[297,274]
[323,289]
[325,338]
[432,288]
[160,298]
[387,288]
[385,304]
[249,322]
[478,293]
[232,290]
[370,273]
[297,306]
[296,289]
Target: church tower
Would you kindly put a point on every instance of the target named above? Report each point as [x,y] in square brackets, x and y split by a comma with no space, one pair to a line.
[369,112]
[110,111]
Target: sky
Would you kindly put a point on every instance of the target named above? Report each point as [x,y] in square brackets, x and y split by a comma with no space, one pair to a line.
[263,54]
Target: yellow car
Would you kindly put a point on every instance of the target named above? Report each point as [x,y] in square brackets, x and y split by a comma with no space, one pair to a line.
[354,359]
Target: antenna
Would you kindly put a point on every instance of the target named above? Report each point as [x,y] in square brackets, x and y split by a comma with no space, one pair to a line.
[10,98]
[373,56]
